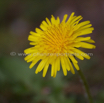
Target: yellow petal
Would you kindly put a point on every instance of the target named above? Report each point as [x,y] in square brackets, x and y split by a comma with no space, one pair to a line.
[64,18]
[63,65]
[38,31]
[28,57]
[76,66]
[32,58]
[75,53]
[34,34]
[45,24]
[41,65]
[70,18]
[73,59]
[84,31]
[75,19]
[75,45]
[85,27]
[34,62]
[43,27]
[86,45]
[58,63]
[49,23]
[71,67]
[67,64]
[30,50]
[82,39]
[33,43]
[83,23]
[90,41]
[79,56]
[52,69]
[58,20]
[45,69]
[53,21]
[80,53]
[33,38]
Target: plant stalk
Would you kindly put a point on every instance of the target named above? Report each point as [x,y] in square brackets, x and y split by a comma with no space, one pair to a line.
[89,97]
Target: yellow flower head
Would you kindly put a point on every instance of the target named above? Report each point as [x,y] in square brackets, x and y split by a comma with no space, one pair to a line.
[57,43]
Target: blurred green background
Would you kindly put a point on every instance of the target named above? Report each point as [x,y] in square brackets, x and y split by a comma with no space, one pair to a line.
[19,84]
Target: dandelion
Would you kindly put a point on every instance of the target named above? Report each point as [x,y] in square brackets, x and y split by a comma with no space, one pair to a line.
[61,39]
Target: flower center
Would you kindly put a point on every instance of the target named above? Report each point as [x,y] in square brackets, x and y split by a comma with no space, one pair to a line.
[56,40]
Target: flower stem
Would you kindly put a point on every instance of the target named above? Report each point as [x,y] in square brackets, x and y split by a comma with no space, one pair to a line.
[89,97]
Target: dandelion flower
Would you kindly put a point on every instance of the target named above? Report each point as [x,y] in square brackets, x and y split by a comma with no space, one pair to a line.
[55,42]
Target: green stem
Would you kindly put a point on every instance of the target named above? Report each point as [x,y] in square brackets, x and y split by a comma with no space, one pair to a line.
[86,86]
